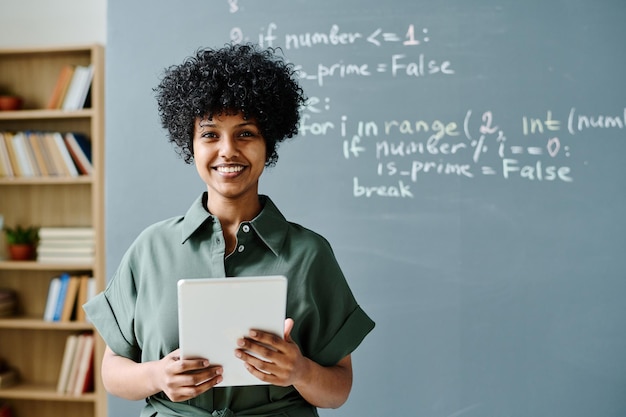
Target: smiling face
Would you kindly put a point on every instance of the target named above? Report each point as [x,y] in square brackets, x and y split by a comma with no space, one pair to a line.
[230,154]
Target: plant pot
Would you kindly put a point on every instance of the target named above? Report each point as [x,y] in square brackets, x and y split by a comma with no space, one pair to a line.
[22,252]
[10,102]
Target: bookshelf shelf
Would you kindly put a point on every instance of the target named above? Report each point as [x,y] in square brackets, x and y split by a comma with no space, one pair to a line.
[37,346]
[83,179]
[41,392]
[40,266]
[46,114]
[31,323]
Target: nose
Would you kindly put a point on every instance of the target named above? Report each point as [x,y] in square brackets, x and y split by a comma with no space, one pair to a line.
[228,147]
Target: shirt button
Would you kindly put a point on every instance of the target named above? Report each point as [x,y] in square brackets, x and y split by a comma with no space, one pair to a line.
[240,248]
[246,228]
[218,240]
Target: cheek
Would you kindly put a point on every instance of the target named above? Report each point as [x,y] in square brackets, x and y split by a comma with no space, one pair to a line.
[200,159]
[199,152]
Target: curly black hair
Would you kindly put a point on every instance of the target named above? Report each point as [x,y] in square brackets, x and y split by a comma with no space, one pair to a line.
[235,78]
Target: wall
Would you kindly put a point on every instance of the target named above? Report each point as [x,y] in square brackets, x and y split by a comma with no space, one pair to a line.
[26,23]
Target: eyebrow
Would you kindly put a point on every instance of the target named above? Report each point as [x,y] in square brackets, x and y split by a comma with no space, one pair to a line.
[209,123]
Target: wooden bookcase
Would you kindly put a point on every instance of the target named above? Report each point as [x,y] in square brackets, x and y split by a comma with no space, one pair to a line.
[30,344]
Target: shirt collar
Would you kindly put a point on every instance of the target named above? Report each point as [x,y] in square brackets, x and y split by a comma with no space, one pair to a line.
[270,225]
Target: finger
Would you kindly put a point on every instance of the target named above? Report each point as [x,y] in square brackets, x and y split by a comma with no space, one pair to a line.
[264,338]
[190,365]
[212,374]
[258,349]
[265,371]
[185,392]
[288,328]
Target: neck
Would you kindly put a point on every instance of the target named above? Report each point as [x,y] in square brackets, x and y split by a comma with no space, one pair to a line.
[232,212]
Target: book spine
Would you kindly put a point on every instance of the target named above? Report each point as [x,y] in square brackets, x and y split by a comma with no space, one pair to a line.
[5,161]
[65,154]
[66,363]
[58,310]
[53,296]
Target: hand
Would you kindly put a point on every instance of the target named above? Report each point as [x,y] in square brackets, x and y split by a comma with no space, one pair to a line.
[282,363]
[182,379]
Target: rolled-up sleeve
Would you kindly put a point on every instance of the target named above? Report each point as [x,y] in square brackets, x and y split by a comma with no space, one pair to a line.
[112,313]
[347,338]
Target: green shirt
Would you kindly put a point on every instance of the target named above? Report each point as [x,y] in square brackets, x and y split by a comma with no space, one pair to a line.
[137,312]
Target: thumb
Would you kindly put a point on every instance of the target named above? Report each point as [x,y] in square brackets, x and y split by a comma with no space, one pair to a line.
[288,327]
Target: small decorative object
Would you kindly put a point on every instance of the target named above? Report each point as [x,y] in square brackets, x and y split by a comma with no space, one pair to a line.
[10,102]
[22,242]
[8,378]
[8,303]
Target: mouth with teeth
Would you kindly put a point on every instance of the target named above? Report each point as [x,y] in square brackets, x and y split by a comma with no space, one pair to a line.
[229,169]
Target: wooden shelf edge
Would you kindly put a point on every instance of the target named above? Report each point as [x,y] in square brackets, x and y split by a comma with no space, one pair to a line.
[49,180]
[43,392]
[52,49]
[43,266]
[34,114]
[32,323]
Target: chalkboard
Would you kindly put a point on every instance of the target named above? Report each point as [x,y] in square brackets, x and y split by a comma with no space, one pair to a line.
[466,162]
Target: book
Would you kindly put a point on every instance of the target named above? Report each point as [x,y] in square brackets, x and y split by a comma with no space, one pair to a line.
[30,153]
[84,260]
[58,307]
[75,364]
[73,90]
[66,363]
[68,232]
[79,88]
[84,87]
[84,295]
[53,150]
[35,146]
[60,88]
[80,364]
[71,296]
[53,297]
[48,160]
[22,158]
[80,149]
[8,141]
[65,154]
[6,170]
[83,380]
[69,248]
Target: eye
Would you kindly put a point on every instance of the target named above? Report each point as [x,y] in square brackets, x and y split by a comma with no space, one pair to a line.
[208,135]
[248,134]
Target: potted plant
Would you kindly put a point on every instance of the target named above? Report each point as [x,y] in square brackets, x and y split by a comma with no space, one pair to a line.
[22,242]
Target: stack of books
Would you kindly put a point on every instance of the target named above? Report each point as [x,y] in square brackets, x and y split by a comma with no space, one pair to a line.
[66,296]
[76,375]
[66,245]
[43,154]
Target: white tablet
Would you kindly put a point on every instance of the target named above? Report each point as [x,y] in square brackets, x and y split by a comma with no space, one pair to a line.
[214,312]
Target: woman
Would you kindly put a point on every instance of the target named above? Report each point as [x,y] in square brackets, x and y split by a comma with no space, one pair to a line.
[227,110]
